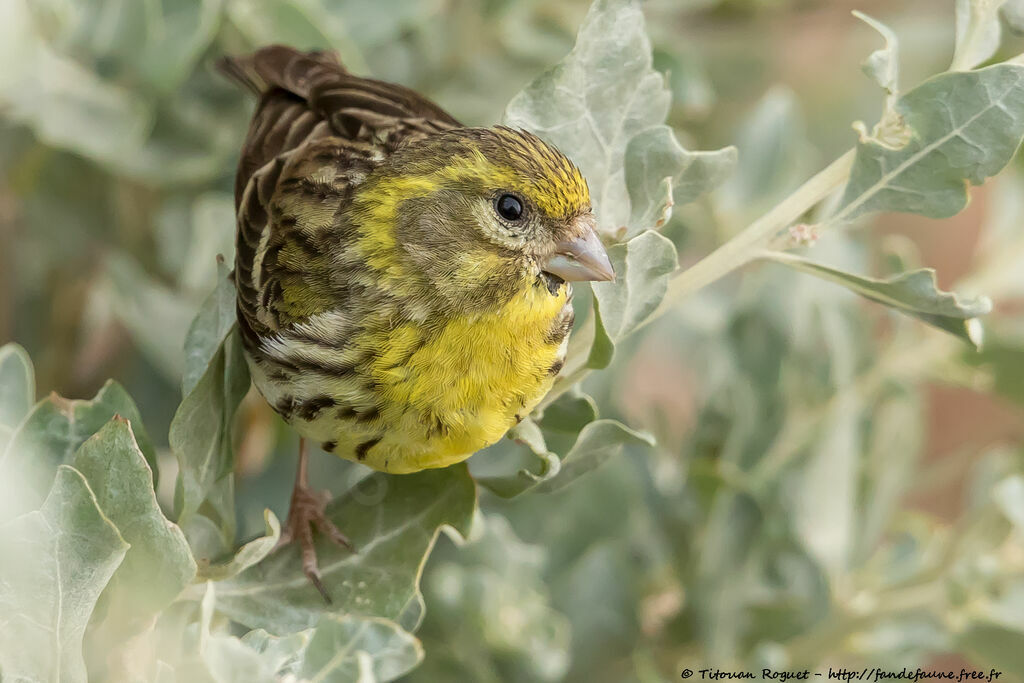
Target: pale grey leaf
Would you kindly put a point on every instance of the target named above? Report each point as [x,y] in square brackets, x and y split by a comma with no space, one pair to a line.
[915,293]
[54,563]
[592,103]
[351,649]
[392,522]
[642,269]
[964,127]
[158,564]
[978,32]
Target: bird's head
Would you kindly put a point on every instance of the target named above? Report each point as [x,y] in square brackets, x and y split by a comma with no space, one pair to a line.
[479,210]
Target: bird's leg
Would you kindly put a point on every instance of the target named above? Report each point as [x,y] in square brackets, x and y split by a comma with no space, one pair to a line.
[305,512]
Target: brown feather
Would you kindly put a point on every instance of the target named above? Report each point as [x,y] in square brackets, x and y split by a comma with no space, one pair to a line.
[317,131]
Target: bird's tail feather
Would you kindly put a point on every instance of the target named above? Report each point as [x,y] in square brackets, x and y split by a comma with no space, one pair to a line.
[279,66]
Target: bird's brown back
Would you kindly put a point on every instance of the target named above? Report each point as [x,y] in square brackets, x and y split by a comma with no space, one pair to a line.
[317,132]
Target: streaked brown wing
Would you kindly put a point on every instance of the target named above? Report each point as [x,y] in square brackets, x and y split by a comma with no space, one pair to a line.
[317,131]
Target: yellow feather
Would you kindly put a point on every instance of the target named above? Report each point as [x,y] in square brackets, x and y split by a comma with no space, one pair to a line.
[498,363]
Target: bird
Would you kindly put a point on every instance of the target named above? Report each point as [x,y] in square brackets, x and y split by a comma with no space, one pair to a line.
[403,281]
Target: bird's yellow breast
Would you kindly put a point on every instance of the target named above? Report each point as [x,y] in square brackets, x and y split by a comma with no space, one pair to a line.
[450,390]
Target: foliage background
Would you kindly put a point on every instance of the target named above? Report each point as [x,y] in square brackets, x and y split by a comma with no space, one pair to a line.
[831,484]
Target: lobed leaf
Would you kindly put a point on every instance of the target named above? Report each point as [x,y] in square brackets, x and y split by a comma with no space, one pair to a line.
[215,380]
[227,659]
[882,66]
[593,106]
[53,431]
[915,293]
[351,649]
[209,329]
[54,563]
[158,564]
[569,441]
[201,439]
[534,465]
[490,602]
[963,128]
[660,174]
[642,269]
[598,441]
[392,521]
[249,554]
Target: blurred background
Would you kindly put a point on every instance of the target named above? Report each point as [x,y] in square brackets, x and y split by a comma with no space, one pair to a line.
[832,484]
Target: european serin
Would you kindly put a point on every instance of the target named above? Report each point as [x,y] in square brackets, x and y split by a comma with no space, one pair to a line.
[401,279]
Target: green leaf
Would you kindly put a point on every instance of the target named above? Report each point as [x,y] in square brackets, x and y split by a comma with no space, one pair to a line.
[771,141]
[568,442]
[993,645]
[350,649]
[964,127]
[529,467]
[215,380]
[249,554]
[563,420]
[642,269]
[978,32]
[154,314]
[201,439]
[53,431]
[592,106]
[70,106]
[17,386]
[392,521]
[158,564]
[226,658]
[599,441]
[1003,358]
[660,173]
[492,602]
[915,293]
[882,66]
[53,565]
[153,45]
[209,329]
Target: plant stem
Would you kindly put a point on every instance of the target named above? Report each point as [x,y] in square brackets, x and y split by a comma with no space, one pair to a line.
[735,253]
[745,246]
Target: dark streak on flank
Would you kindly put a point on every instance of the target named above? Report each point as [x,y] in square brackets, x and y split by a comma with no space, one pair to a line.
[556,367]
[329,446]
[310,408]
[285,406]
[364,448]
[559,330]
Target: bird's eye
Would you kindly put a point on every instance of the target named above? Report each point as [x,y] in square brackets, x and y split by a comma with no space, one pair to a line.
[509,207]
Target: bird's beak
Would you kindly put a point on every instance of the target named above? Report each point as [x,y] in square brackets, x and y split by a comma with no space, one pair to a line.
[581,258]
